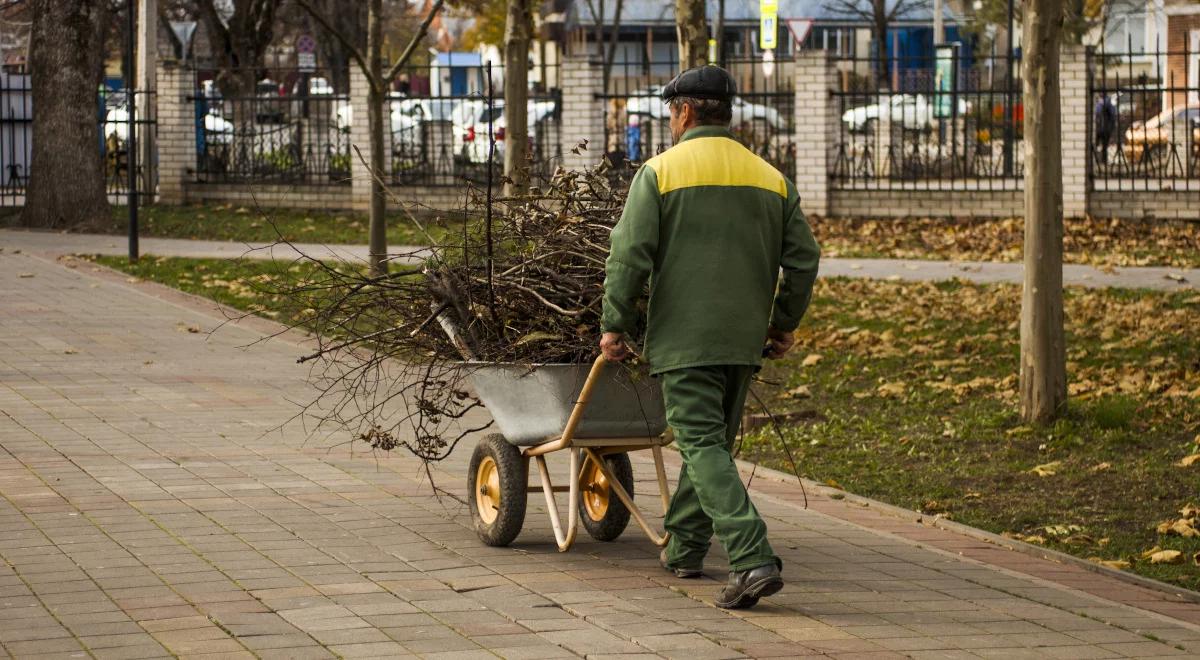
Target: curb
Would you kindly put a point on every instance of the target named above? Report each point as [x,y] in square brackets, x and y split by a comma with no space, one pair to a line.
[1180,593]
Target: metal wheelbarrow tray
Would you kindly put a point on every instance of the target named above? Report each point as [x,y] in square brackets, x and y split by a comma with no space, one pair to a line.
[595,412]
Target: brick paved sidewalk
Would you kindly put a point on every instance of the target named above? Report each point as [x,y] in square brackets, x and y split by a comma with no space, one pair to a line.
[150,507]
[1149,277]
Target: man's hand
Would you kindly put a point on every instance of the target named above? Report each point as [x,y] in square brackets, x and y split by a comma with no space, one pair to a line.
[778,343]
[612,344]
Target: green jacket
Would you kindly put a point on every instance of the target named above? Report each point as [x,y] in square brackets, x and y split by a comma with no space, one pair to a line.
[709,224]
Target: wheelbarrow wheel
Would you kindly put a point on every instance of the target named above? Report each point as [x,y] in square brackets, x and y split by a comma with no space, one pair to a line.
[496,490]
[602,512]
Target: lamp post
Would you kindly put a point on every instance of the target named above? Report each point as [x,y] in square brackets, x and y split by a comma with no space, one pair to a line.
[1009,133]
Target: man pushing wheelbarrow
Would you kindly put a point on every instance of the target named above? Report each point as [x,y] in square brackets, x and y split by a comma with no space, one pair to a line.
[710,225]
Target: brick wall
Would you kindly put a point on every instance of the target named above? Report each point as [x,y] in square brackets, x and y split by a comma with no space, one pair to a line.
[924,204]
[582,113]
[176,131]
[1174,204]
[816,124]
[1076,113]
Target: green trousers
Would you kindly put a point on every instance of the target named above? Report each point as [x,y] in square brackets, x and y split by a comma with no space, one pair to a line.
[704,409]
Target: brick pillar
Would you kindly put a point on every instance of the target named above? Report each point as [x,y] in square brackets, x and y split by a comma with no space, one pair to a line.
[582,113]
[816,129]
[176,131]
[1076,110]
[884,144]
[360,137]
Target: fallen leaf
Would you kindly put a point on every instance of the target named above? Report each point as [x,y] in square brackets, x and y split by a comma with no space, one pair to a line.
[799,392]
[71,351]
[132,280]
[1100,467]
[25,275]
[1119,564]
[888,390]
[1189,511]
[1181,527]
[811,359]
[1175,277]
[1046,469]
[537,336]
[1167,557]
[1189,460]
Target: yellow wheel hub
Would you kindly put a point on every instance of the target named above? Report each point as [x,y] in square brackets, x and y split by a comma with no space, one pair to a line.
[487,484]
[596,491]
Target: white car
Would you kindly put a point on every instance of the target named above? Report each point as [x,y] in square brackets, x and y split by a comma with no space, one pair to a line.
[474,135]
[217,129]
[913,112]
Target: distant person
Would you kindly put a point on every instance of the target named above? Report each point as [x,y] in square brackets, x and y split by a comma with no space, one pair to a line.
[633,139]
[1105,123]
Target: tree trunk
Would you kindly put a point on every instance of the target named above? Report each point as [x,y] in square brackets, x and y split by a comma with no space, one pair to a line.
[517,28]
[1043,349]
[66,173]
[692,30]
[375,116]
[879,34]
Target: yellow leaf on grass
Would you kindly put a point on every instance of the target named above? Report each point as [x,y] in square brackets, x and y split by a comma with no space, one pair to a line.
[1100,467]
[811,359]
[1181,527]
[799,392]
[1167,557]
[1046,469]
[1189,510]
[1189,460]
[888,390]
[1118,564]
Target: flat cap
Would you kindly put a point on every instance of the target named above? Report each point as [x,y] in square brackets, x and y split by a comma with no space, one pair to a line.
[702,82]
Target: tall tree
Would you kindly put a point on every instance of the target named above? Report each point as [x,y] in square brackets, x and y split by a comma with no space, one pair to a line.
[378,81]
[239,39]
[691,27]
[66,61]
[1043,381]
[518,28]
[880,14]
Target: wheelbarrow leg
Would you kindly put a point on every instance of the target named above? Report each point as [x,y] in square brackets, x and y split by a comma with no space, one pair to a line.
[564,541]
[617,488]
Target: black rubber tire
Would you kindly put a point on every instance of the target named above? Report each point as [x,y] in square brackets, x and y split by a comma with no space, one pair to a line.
[616,517]
[513,473]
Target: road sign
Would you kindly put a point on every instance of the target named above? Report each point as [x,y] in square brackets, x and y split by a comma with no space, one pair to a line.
[768,24]
[306,44]
[306,61]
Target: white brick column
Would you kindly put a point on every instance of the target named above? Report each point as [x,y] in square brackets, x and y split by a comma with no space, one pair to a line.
[582,113]
[176,130]
[360,137]
[1076,110]
[816,129]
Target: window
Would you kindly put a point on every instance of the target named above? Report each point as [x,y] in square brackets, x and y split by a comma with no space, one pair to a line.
[1126,31]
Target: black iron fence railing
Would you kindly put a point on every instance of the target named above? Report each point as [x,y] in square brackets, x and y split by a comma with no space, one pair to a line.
[448,124]
[928,123]
[1144,120]
[113,123]
[636,119]
[275,133]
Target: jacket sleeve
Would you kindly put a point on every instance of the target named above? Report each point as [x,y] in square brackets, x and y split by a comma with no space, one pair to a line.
[798,262]
[632,255]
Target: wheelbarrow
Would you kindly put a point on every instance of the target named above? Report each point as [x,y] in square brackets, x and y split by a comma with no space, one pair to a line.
[598,419]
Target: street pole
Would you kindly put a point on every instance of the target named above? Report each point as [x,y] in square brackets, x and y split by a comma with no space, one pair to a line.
[147,56]
[131,154]
[939,26]
[1008,98]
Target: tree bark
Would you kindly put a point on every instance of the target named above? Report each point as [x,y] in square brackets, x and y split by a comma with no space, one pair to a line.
[517,28]
[66,173]
[375,116]
[1043,381]
[692,30]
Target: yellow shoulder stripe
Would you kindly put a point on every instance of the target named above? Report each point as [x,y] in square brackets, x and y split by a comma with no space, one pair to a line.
[714,161]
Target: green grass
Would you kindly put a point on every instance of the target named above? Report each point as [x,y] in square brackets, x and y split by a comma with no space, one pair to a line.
[228,222]
[914,402]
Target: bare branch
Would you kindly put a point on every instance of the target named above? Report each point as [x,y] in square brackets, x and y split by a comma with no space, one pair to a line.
[416,41]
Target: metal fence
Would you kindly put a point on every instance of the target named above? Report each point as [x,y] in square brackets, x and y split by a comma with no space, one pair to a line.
[1144,123]
[113,123]
[923,124]
[449,124]
[636,119]
[296,131]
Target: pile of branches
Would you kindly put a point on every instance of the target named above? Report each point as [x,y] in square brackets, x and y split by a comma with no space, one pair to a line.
[521,280]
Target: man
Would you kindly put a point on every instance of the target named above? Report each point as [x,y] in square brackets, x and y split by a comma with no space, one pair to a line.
[1106,126]
[710,224]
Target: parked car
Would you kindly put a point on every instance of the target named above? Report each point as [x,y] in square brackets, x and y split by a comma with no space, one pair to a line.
[474,136]
[268,102]
[913,112]
[317,86]
[648,102]
[1151,142]
[217,129]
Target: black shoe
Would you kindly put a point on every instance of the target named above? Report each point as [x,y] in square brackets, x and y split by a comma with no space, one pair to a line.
[686,573]
[746,587]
